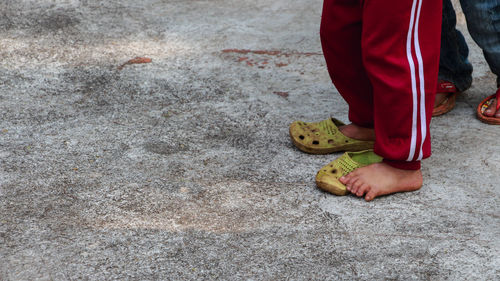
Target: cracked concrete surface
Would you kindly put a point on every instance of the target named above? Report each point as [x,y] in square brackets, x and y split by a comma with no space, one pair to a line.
[182,168]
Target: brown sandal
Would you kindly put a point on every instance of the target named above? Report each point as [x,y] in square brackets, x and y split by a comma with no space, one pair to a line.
[449,103]
[481,108]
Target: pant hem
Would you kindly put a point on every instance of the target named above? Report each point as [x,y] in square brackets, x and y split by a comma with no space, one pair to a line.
[403,165]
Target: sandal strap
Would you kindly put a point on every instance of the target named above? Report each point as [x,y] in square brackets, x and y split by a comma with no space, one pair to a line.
[328,126]
[446,87]
[347,164]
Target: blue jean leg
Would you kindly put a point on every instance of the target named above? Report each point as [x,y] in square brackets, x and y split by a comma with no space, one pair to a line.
[453,63]
[483,23]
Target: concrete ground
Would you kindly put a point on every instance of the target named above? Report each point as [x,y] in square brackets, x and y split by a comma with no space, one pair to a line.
[182,168]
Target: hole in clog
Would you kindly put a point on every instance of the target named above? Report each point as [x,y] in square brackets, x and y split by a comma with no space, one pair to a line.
[301,137]
[330,141]
[346,141]
[334,171]
[315,142]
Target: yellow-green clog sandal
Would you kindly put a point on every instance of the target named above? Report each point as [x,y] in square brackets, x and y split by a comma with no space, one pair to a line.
[324,137]
[328,177]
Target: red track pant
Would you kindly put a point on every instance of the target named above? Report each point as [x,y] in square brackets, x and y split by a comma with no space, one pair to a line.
[383,57]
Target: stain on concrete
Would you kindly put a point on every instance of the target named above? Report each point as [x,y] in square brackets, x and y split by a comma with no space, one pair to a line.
[262,58]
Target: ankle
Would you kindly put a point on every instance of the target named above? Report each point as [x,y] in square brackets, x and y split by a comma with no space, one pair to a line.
[412,179]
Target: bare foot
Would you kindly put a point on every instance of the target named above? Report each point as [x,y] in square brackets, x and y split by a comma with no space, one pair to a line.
[381,179]
[358,133]
[491,110]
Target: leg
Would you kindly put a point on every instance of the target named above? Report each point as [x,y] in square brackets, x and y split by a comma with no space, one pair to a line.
[483,22]
[341,41]
[453,63]
[403,68]
[454,66]
[401,57]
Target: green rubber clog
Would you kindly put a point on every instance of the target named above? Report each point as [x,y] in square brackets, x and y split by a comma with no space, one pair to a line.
[328,177]
[324,137]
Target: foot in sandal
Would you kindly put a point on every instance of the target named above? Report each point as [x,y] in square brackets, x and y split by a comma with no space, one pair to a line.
[330,135]
[445,98]
[488,110]
[365,175]
[381,179]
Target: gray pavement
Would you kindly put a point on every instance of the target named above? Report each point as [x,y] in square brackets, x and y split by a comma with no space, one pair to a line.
[182,168]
